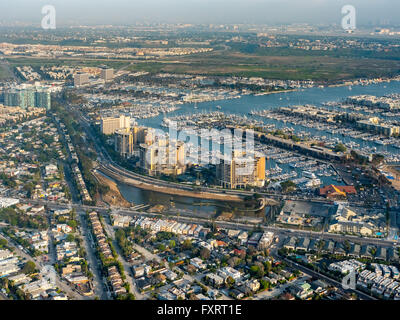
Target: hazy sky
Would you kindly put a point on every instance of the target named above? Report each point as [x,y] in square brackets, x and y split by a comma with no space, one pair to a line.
[88,12]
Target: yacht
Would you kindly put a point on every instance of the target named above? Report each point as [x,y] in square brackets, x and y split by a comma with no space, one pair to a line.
[309,174]
[313,183]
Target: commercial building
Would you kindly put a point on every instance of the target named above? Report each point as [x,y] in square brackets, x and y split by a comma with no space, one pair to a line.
[107,74]
[8,202]
[332,191]
[352,228]
[81,79]
[346,220]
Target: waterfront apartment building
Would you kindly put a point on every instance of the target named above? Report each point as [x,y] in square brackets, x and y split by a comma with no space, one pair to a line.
[107,74]
[374,102]
[240,171]
[81,79]
[374,125]
[111,124]
[127,140]
[124,142]
[142,135]
[163,157]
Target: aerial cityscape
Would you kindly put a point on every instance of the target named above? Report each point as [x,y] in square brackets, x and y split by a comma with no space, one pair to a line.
[176,157]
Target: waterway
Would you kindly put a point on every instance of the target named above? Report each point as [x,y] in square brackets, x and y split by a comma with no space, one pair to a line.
[185,205]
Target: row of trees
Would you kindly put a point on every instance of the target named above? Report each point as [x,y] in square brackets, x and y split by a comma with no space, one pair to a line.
[13,218]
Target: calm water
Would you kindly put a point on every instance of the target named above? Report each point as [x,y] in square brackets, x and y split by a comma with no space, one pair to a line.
[314,96]
[201,207]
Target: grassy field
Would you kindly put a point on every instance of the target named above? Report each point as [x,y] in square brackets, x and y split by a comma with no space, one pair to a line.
[36,62]
[318,68]
[4,73]
[298,65]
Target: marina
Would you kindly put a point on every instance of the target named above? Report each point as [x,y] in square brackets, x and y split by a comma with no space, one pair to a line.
[237,110]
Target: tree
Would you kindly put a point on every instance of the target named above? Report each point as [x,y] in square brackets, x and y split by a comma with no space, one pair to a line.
[3,243]
[233,261]
[265,284]
[187,244]
[347,246]
[373,251]
[320,246]
[205,253]
[130,296]
[268,266]
[70,238]
[73,224]
[340,148]
[230,281]
[260,272]
[172,244]
[29,267]
[288,186]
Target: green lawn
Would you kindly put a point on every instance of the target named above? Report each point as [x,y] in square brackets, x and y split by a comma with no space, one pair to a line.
[4,73]
[23,61]
[232,63]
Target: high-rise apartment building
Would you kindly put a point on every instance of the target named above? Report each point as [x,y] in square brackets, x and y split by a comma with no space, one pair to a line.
[163,157]
[124,142]
[240,171]
[28,96]
[43,99]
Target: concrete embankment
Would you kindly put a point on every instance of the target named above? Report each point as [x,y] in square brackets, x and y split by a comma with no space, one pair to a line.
[170,190]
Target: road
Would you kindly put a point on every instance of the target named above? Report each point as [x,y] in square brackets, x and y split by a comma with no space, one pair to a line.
[93,262]
[224,224]
[266,295]
[63,286]
[331,281]
[127,267]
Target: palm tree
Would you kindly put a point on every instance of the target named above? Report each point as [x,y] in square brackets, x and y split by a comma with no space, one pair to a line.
[320,246]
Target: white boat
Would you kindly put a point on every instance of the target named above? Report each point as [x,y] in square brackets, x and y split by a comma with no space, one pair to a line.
[313,183]
[309,174]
